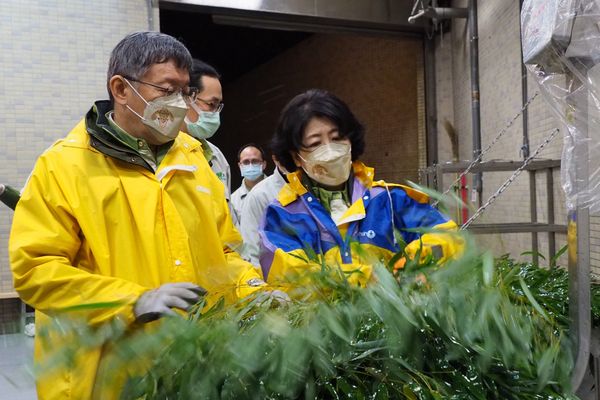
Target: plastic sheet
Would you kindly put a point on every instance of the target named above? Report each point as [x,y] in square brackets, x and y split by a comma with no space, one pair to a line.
[561,48]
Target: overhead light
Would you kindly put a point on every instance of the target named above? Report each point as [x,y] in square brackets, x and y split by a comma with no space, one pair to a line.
[243,4]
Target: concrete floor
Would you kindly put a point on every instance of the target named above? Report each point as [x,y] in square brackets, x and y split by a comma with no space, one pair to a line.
[16,359]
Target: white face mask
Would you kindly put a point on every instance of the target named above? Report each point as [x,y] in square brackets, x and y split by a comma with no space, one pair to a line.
[329,164]
[163,115]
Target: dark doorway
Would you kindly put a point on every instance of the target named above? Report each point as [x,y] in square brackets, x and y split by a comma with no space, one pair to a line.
[233,51]
[380,77]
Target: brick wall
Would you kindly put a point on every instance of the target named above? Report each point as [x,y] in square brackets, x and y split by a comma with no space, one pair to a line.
[378,77]
[501,98]
[54,60]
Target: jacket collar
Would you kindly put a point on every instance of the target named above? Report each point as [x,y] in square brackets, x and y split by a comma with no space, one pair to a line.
[295,188]
[103,140]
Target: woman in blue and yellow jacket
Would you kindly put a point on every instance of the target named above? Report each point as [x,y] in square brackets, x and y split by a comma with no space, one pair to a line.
[332,209]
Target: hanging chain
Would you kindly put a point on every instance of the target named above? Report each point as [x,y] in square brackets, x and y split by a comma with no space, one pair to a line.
[413,16]
[510,180]
[487,149]
[417,2]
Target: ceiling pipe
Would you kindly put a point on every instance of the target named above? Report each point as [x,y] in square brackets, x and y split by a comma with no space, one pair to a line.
[151,4]
[440,13]
[475,94]
[431,120]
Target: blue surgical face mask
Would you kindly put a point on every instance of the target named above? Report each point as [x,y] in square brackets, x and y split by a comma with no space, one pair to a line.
[251,172]
[206,125]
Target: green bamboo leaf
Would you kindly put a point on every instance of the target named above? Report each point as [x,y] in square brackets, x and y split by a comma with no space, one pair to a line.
[488,269]
[408,393]
[532,300]
[545,367]
[531,253]
[382,393]
[367,353]
[336,325]
[471,332]
[343,385]
[92,306]
[562,251]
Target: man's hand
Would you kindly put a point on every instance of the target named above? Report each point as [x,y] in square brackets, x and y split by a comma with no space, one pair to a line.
[158,302]
[273,298]
[279,296]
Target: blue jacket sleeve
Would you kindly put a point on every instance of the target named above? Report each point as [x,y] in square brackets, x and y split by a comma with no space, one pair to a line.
[439,236]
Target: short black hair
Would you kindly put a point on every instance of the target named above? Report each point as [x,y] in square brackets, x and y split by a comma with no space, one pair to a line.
[306,106]
[262,152]
[200,69]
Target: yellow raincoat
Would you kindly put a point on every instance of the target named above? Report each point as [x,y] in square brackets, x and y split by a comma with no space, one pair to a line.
[91,228]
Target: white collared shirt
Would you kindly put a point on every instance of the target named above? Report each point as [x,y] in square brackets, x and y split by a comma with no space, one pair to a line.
[253,210]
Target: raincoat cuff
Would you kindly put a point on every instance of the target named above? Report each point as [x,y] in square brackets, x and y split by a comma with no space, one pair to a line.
[250,282]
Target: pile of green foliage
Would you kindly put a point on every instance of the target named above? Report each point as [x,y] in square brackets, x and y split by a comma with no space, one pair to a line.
[476,328]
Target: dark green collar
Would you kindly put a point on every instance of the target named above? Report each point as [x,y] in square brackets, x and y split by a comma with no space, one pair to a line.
[208,153]
[325,195]
[108,138]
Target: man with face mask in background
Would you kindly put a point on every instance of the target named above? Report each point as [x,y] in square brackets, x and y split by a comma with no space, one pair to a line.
[254,207]
[124,212]
[251,160]
[203,118]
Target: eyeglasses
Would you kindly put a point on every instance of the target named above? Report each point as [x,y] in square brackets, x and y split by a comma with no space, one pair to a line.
[213,106]
[189,93]
[251,162]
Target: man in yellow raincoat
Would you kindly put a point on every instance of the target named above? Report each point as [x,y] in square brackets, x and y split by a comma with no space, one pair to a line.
[125,211]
